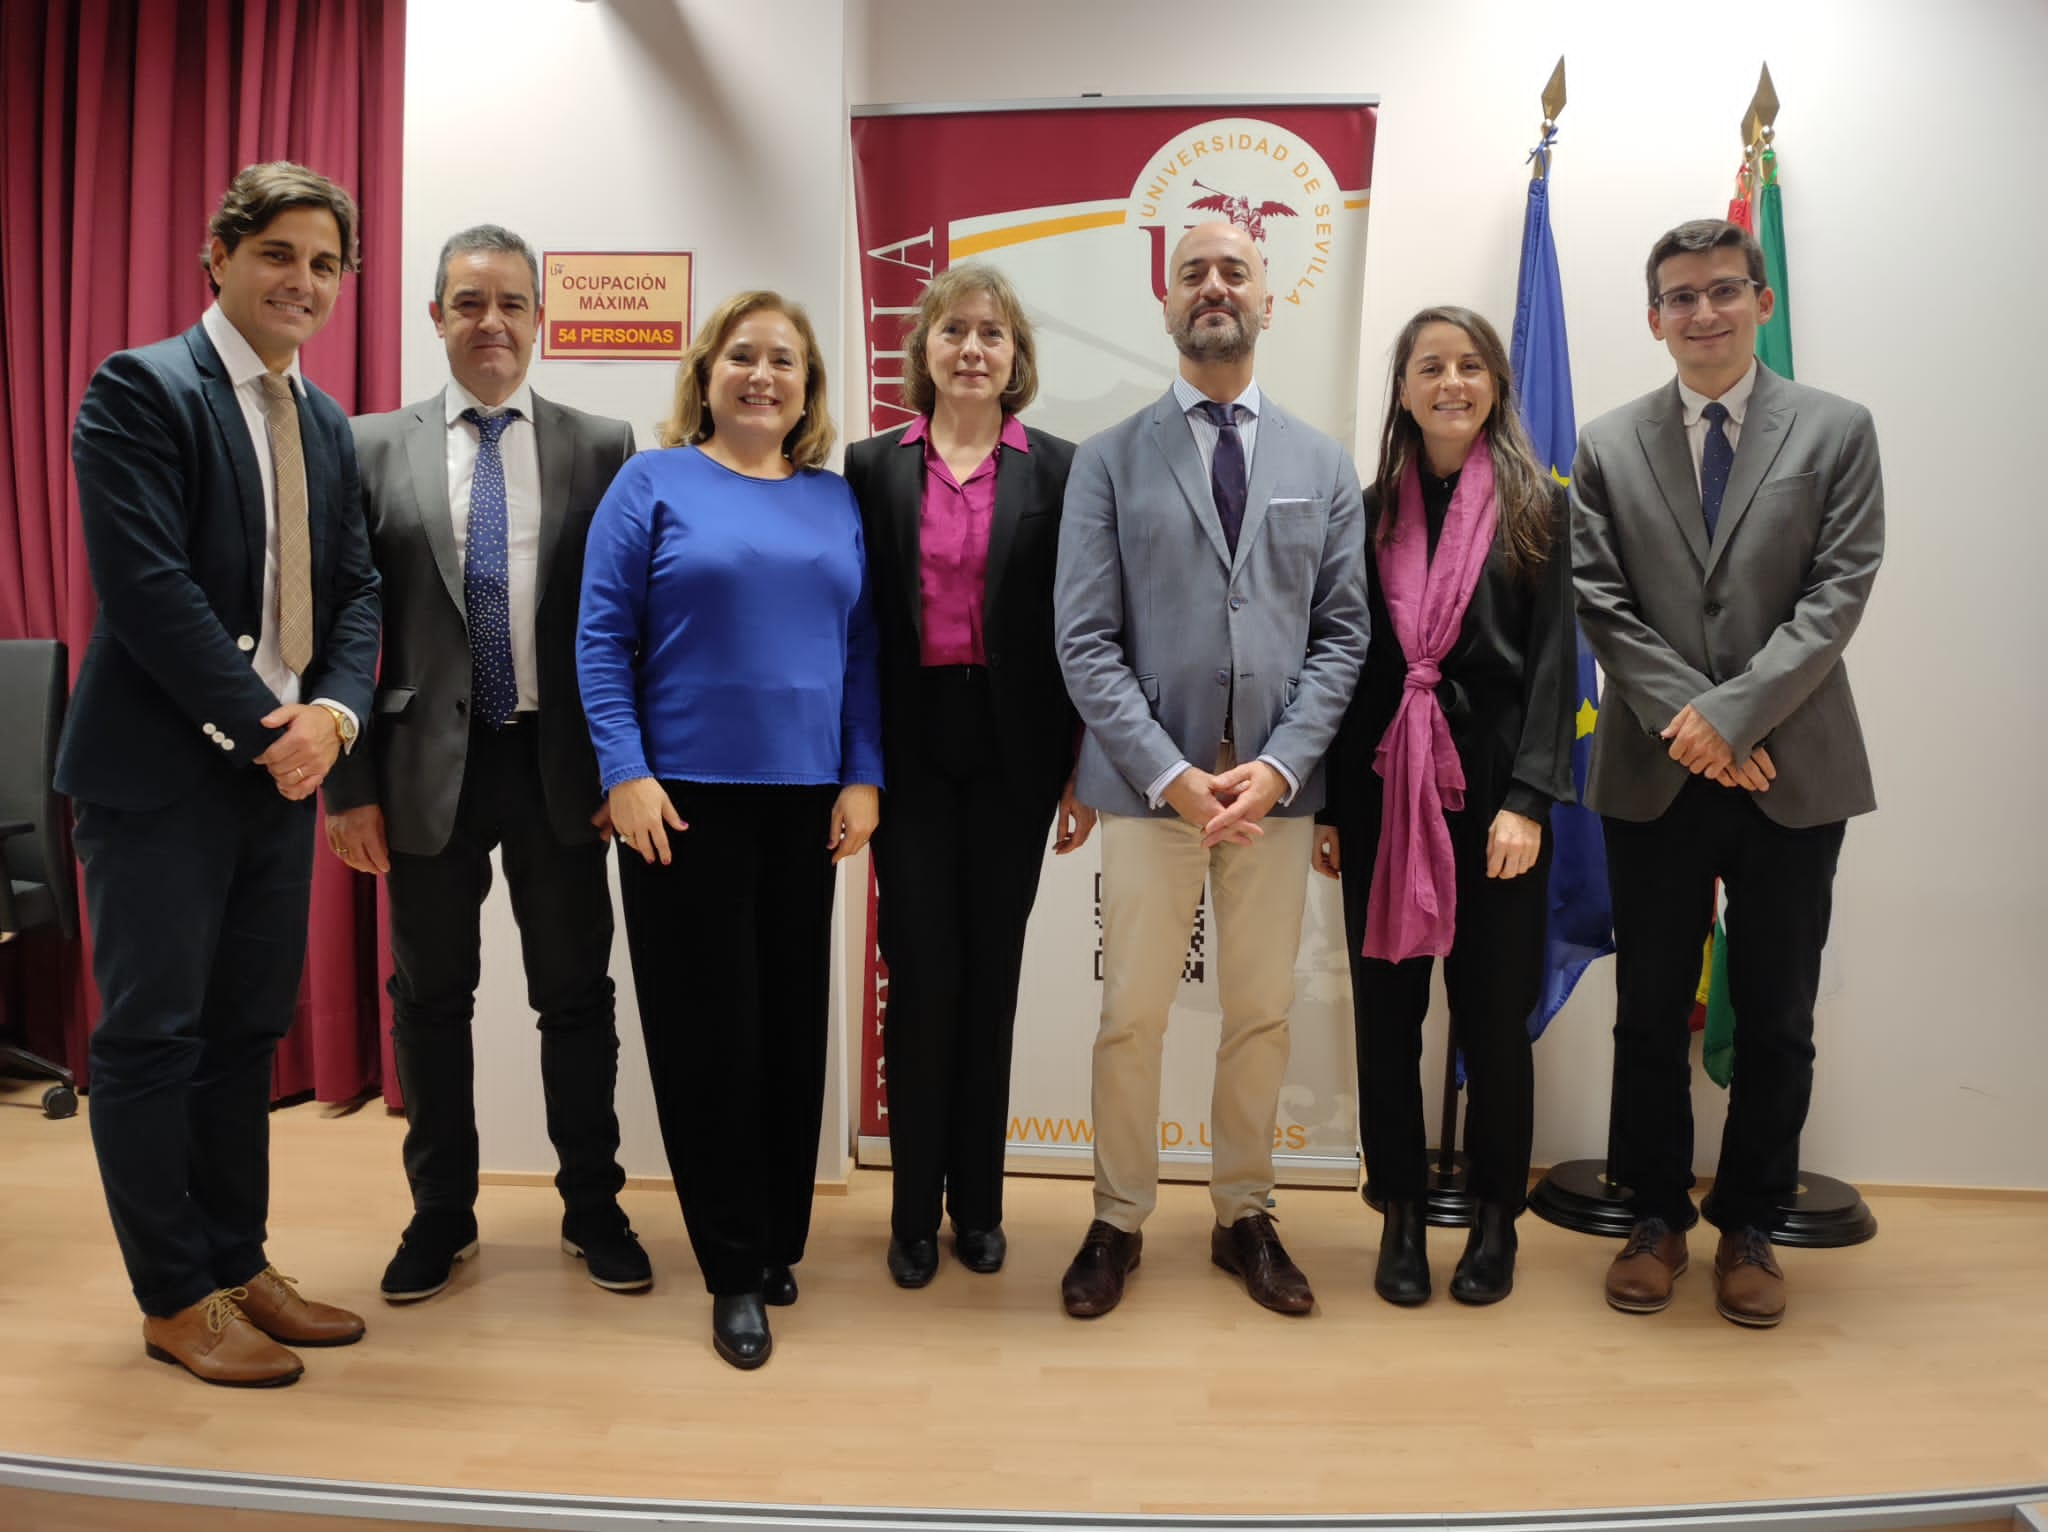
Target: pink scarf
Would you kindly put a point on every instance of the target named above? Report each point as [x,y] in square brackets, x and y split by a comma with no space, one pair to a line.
[1413,906]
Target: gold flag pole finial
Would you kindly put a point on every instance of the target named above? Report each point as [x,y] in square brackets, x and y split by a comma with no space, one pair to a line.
[1759,122]
[1553,104]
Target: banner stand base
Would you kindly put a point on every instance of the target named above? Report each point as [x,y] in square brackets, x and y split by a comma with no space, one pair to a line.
[1823,1214]
[1448,1203]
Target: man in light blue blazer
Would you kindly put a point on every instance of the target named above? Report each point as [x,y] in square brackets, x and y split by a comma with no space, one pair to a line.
[1211,619]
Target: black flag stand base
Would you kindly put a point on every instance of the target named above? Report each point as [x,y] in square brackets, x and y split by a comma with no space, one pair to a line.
[1448,1202]
[1823,1214]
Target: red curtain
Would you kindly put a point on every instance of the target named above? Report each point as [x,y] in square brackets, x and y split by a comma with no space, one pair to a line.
[121,122]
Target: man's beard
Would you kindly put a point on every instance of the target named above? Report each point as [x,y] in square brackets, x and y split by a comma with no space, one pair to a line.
[1201,345]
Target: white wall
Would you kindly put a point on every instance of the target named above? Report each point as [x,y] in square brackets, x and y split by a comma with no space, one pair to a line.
[687,125]
[1915,232]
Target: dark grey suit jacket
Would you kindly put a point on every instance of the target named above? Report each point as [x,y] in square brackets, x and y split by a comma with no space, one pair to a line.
[418,731]
[1160,626]
[1749,630]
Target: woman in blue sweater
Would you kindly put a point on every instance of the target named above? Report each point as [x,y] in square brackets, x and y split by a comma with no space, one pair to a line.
[727,656]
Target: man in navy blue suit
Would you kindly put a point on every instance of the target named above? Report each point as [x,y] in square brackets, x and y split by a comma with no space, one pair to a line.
[230,663]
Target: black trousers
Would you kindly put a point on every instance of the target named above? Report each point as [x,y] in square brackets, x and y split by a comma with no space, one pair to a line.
[1780,886]
[563,904]
[1493,976]
[731,946]
[957,859]
[198,915]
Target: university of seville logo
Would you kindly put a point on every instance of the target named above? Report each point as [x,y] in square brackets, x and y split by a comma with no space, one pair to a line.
[1268,181]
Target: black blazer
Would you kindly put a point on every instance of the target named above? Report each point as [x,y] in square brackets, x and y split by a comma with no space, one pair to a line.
[1509,691]
[1036,725]
[170,499]
[419,735]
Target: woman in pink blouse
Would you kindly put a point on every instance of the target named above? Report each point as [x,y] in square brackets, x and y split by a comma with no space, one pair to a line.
[961,510]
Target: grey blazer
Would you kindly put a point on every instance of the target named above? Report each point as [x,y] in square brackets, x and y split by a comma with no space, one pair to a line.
[1159,628]
[1751,630]
[418,732]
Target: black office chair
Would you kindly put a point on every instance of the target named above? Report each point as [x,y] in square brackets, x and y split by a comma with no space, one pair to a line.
[37,891]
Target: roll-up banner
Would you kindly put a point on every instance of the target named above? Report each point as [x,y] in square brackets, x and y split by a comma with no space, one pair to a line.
[1079,203]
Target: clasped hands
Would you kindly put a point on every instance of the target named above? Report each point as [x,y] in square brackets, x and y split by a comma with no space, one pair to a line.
[1699,747]
[1227,806]
[299,759]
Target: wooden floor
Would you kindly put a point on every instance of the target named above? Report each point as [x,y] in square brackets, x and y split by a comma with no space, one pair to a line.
[1916,1363]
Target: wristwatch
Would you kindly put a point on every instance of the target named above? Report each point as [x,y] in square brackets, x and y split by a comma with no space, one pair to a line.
[344,725]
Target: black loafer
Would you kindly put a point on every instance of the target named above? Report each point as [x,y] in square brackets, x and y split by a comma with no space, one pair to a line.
[980,1250]
[1401,1275]
[914,1264]
[1486,1271]
[778,1286]
[739,1330]
[610,1251]
[426,1257]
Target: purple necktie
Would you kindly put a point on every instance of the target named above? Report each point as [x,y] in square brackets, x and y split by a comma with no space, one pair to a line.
[486,583]
[1226,470]
[1717,456]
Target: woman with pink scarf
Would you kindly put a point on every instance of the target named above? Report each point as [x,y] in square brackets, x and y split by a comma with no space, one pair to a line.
[1441,782]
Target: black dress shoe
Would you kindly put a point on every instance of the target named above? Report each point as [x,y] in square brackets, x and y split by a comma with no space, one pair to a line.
[1402,1275]
[427,1253]
[739,1330]
[1486,1271]
[980,1250]
[609,1250]
[1094,1283]
[916,1263]
[1250,1250]
[778,1286]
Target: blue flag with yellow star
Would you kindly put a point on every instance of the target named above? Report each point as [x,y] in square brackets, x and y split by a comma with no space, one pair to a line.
[1581,912]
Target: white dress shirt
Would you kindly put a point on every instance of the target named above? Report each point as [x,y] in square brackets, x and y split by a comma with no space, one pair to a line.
[1207,433]
[245,373]
[520,449]
[1736,401]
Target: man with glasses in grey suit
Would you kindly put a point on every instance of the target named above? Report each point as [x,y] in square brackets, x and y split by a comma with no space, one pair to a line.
[1726,530]
[1211,620]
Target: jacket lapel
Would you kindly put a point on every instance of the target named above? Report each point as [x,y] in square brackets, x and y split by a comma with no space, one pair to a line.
[1764,430]
[1266,458]
[1014,476]
[1177,445]
[240,450]
[1662,435]
[902,471]
[556,445]
[426,453]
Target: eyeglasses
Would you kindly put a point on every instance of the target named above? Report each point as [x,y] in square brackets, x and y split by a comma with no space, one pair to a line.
[1726,293]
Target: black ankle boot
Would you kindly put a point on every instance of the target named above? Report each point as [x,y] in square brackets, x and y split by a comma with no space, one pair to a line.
[1486,1272]
[1402,1275]
[739,1330]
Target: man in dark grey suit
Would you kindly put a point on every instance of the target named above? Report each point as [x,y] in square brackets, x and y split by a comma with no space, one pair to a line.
[1210,616]
[1726,530]
[479,501]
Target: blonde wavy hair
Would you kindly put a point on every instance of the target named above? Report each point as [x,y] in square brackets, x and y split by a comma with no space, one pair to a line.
[809,443]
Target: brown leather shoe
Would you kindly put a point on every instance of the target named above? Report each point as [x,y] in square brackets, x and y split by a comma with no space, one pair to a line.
[1094,1283]
[272,1303]
[1251,1249]
[1641,1278]
[1749,1288]
[215,1342]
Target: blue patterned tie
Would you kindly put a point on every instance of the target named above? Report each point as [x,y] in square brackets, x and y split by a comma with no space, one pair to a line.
[485,584]
[1226,470]
[1716,458]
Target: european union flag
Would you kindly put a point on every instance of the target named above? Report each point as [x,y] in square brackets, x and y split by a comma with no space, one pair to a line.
[1581,911]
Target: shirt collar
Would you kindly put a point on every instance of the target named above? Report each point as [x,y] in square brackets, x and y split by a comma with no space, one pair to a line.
[1736,399]
[237,355]
[457,399]
[1191,398]
[1013,435]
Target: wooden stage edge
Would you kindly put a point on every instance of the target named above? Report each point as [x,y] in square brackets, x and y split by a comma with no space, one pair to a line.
[1908,1385]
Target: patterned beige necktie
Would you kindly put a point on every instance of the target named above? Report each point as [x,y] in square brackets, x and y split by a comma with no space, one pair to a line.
[294,551]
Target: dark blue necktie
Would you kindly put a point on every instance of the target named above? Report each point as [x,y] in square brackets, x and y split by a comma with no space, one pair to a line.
[1226,470]
[485,583]
[1716,458]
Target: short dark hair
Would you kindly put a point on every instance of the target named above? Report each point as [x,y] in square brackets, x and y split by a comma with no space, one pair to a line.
[484,236]
[260,192]
[1700,235]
